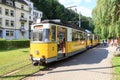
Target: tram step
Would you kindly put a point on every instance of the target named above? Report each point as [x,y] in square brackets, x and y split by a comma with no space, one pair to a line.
[61,55]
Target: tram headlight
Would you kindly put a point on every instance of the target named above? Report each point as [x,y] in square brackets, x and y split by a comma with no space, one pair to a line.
[88,34]
[36,52]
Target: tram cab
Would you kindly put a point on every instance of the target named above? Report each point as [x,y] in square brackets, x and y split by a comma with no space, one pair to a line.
[47,43]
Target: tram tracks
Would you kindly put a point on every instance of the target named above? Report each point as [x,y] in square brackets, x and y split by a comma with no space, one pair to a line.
[48,68]
[19,72]
[13,71]
[22,72]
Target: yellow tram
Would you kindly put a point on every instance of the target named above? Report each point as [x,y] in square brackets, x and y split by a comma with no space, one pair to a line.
[92,40]
[52,41]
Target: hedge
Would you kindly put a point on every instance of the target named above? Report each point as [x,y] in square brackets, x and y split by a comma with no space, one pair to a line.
[5,44]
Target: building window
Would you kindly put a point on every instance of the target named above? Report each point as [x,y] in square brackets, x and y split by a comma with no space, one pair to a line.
[22,15]
[29,5]
[37,14]
[12,13]
[6,12]
[22,24]
[7,22]
[29,12]
[22,6]
[0,10]
[9,33]
[40,15]
[12,23]
[29,17]
[9,2]
[0,21]
[33,13]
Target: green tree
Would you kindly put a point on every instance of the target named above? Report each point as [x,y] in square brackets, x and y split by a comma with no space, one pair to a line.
[106,18]
[52,9]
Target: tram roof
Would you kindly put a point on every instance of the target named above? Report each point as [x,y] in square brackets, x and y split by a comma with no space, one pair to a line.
[64,24]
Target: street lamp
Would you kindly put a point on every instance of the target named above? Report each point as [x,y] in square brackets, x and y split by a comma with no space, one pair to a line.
[79,19]
[78,14]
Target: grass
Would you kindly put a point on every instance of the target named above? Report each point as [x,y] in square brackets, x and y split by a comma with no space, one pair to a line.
[116,64]
[13,59]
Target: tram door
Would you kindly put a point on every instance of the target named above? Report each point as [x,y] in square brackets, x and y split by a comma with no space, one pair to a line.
[61,39]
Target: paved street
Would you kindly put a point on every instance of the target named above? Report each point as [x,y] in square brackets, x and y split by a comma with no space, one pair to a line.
[94,64]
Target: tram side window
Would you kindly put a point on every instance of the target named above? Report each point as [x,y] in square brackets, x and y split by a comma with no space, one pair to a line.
[75,35]
[53,33]
[40,36]
[96,37]
[78,36]
[83,36]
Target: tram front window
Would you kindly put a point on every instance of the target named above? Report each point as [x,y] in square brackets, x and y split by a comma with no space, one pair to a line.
[46,33]
[37,35]
[41,35]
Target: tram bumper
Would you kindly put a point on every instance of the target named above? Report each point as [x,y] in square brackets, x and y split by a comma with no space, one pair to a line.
[35,61]
[38,61]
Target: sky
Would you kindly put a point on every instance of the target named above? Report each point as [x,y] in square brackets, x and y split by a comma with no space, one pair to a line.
[84,7]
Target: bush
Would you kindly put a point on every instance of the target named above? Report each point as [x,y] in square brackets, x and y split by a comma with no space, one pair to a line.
[4,44]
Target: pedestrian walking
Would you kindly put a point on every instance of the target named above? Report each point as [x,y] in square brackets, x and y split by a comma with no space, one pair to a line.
[116,42]
[108,42]
[112,42]
[104,42]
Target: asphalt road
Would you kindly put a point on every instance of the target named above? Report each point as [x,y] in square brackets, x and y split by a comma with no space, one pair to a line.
[94,64]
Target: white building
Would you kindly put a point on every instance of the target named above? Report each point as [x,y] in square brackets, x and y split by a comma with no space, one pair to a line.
[34,14]
[14,19]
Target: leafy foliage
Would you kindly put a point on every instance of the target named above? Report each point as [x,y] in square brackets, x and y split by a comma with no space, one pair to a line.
[52,9]
[106,17]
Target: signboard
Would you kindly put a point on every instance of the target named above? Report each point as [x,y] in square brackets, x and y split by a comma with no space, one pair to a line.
[38,27]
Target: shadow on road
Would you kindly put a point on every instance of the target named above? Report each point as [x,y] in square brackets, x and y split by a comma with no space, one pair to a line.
[88,69]
[85,69]
[92,56]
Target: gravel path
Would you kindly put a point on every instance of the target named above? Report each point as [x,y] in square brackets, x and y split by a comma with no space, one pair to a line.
[94,64]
